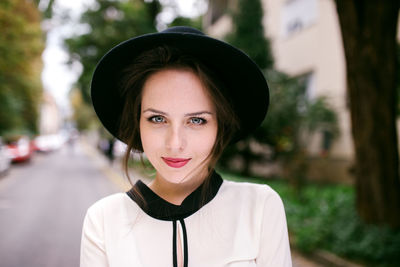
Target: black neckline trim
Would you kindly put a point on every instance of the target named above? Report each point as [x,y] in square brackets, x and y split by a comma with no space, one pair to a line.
[158,208]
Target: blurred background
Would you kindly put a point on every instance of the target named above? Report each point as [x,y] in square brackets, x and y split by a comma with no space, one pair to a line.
[329,145]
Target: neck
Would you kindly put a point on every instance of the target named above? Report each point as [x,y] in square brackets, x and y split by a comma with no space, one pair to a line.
[176,193]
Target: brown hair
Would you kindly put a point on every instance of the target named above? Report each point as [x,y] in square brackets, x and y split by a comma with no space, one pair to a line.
[134,78]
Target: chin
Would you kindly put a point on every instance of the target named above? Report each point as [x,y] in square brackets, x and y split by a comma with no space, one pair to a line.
[178,176]
[174,179]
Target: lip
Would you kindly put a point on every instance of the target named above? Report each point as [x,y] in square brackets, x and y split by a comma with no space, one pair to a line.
[176,162]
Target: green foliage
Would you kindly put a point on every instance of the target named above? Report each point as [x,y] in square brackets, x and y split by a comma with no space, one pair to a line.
[185,21]
[248,32]
[110,23]
[325,218]
[46,7]
[292,113]
[21,45]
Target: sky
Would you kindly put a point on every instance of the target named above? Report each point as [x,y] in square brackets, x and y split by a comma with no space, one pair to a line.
[57,76]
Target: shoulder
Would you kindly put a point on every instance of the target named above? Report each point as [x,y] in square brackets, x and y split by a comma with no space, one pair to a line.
[250,191]
[111,205]
[249,199]
[108,201]
[257,200]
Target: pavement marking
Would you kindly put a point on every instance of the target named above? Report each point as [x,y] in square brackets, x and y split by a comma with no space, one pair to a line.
[116,178]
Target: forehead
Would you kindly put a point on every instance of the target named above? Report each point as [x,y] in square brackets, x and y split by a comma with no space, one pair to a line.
[176,90]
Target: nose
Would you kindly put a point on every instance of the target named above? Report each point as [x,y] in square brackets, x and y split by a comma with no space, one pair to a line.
[175,139]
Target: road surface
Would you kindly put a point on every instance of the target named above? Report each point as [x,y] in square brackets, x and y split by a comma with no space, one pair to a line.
[42,206]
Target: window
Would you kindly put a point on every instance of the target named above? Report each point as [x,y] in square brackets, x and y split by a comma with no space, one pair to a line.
[297,15]
[308,80]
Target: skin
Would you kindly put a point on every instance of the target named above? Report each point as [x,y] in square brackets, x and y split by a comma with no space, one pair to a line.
[177,120]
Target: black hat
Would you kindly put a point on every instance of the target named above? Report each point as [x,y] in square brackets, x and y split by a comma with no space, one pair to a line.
[245,84]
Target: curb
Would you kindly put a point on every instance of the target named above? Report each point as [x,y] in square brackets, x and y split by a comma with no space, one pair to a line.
[329,259]
[114,174]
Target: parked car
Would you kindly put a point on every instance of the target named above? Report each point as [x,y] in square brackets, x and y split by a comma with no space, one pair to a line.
[48,143]
[20,148]
[5,158]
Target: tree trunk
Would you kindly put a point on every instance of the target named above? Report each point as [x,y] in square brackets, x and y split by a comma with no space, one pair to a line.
[369,38]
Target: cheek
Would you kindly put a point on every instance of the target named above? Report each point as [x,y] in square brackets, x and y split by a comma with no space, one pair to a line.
[204,144]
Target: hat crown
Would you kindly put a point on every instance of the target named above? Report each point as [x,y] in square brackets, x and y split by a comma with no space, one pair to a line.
[183,29]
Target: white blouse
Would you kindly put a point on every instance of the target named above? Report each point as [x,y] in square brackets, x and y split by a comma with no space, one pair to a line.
[241,225]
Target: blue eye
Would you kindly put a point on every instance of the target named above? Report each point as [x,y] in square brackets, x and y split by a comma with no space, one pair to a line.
[156,119]
[197,121]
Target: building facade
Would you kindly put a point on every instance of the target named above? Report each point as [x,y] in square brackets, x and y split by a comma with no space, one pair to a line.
[306,42]
[50,118]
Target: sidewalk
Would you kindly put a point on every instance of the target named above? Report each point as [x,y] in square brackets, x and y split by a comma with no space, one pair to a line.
[298,260]
[114,171]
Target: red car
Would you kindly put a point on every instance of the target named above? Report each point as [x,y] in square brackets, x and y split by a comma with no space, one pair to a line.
[19,148]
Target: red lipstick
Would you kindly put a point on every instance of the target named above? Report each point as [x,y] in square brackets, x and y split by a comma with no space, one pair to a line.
[175,162]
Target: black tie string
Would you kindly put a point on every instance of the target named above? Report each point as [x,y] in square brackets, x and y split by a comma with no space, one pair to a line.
[185,245]
[174,245]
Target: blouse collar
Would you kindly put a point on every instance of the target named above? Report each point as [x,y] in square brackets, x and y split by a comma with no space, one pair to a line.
[158,208]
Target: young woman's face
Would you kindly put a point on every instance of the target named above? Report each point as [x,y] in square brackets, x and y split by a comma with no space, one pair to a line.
[178,125]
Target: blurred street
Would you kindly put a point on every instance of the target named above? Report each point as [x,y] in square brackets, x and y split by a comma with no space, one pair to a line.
[327,145]
[42,206]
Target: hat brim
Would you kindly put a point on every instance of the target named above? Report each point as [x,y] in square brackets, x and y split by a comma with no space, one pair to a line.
[245,83]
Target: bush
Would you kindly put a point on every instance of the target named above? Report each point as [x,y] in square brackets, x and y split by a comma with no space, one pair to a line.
[324,217]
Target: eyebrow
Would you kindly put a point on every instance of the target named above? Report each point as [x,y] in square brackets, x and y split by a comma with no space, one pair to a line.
[186,115]
[154,111]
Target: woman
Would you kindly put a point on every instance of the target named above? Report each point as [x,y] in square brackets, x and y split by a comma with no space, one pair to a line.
[181,97]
